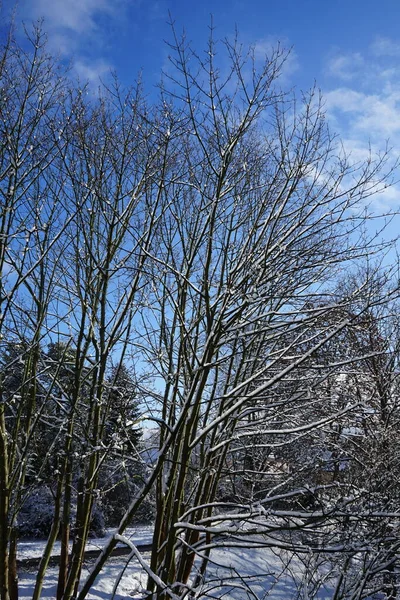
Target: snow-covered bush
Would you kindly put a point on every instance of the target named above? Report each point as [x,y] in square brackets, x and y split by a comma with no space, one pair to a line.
[36,515]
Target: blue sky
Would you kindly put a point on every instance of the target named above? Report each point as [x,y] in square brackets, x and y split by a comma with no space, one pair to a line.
[351,48]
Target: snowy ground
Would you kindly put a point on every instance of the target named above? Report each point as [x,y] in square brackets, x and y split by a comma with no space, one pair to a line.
[130,583]
[257,574]
[128,587]
[141,534]
[247,573]
[262,575]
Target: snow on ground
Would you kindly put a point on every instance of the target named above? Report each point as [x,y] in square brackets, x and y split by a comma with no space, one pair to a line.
[246,573]
[262,574]
[131,582]
[141,534]
[128,588]
[257,573]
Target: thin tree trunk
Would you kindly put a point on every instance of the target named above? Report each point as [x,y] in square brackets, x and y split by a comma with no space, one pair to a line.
[12,566]
[4,506]
[65,533]
[55,528]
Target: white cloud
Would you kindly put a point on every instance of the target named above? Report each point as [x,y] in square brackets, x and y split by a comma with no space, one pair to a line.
[75,29]
[265,47]
[367,100]
[377,115]
[76,16]
[363,105]
[358,149]
[92,72]
[388,197]
[385,47]
[346,66]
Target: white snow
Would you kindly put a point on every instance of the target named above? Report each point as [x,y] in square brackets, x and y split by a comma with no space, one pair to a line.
[233,574]
[130,584]
[141,534]
[262,574]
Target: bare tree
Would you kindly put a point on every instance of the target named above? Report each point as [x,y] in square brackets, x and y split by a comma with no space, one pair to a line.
[31,127]
[200,239]
[263,212]
[78,219]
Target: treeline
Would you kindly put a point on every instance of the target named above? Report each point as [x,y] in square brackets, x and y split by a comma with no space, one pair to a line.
[36,501]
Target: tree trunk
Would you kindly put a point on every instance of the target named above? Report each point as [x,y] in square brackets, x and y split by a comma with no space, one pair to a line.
[12,566]
[4,506]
